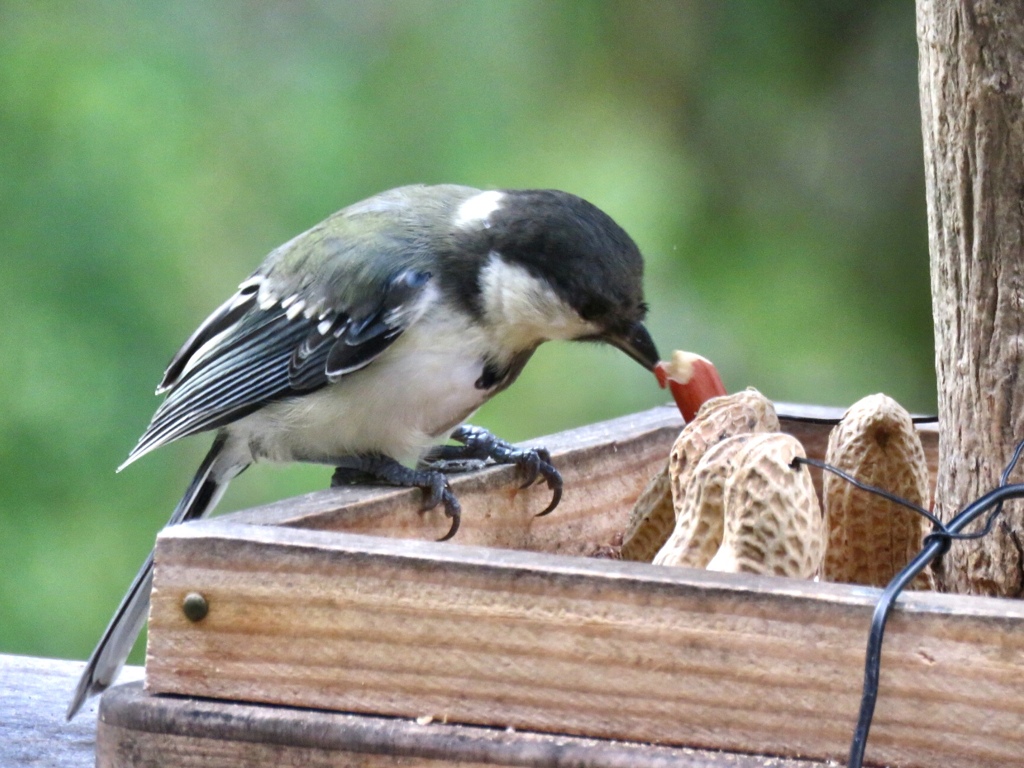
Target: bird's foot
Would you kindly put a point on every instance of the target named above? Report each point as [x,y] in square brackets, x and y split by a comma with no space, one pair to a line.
[384,469]
[479,445]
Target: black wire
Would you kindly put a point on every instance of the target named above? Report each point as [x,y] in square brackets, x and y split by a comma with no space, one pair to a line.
[873,657]
[833,420]
[869,488]
[934,545]
[1005,477]
[941,532]
[873,661]
[991,520]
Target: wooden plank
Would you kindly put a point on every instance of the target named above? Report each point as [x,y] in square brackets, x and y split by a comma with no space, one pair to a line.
[139,729]
[34,694]
[579,646]
[605,467]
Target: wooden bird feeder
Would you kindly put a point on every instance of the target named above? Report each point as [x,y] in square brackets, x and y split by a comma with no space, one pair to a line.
[333,630]
[338,632]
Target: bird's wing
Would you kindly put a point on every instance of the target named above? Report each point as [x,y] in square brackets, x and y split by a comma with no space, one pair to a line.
[290,329]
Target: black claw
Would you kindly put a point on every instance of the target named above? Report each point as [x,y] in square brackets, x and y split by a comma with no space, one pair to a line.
[385,469]
[453,510]
[530,461]
[440,492]
[436,488]
[435,485]
[477,447]
[535,463]
[554,480]
[556,496]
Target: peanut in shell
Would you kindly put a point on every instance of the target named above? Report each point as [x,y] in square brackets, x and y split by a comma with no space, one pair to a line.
[773,520]
[653,521]
[700,523]
[870,539]
[643,534]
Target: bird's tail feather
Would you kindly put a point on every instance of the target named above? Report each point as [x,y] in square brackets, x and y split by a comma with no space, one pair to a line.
[117,641]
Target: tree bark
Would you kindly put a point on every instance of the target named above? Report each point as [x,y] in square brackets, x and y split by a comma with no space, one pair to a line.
[972,110]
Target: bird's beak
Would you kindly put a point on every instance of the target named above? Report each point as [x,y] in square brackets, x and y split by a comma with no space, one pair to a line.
[636,342]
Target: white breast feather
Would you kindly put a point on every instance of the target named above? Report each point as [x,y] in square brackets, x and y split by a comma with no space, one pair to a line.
[405,401]
[421,387]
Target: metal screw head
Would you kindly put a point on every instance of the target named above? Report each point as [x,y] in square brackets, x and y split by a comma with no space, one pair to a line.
[195,606]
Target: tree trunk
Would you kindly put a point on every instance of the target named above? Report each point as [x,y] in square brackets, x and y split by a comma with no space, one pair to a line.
[972,92]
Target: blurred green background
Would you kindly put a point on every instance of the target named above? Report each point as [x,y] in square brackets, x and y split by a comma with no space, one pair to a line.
[765,156]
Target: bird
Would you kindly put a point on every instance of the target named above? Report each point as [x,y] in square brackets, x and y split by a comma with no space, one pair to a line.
[366,342]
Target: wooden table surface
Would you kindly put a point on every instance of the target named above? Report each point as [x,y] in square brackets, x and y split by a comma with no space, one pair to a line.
[34,695]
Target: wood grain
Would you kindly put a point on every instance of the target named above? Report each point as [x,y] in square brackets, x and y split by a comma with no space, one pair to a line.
[579,646]
[34,695]
[304,615]
[605,466]
[971,62]
[136,728]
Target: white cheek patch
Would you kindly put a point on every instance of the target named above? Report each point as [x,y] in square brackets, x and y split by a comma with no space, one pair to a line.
[524,309]
[476,210]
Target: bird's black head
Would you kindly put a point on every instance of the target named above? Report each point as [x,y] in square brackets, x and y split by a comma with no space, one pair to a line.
[576,250]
